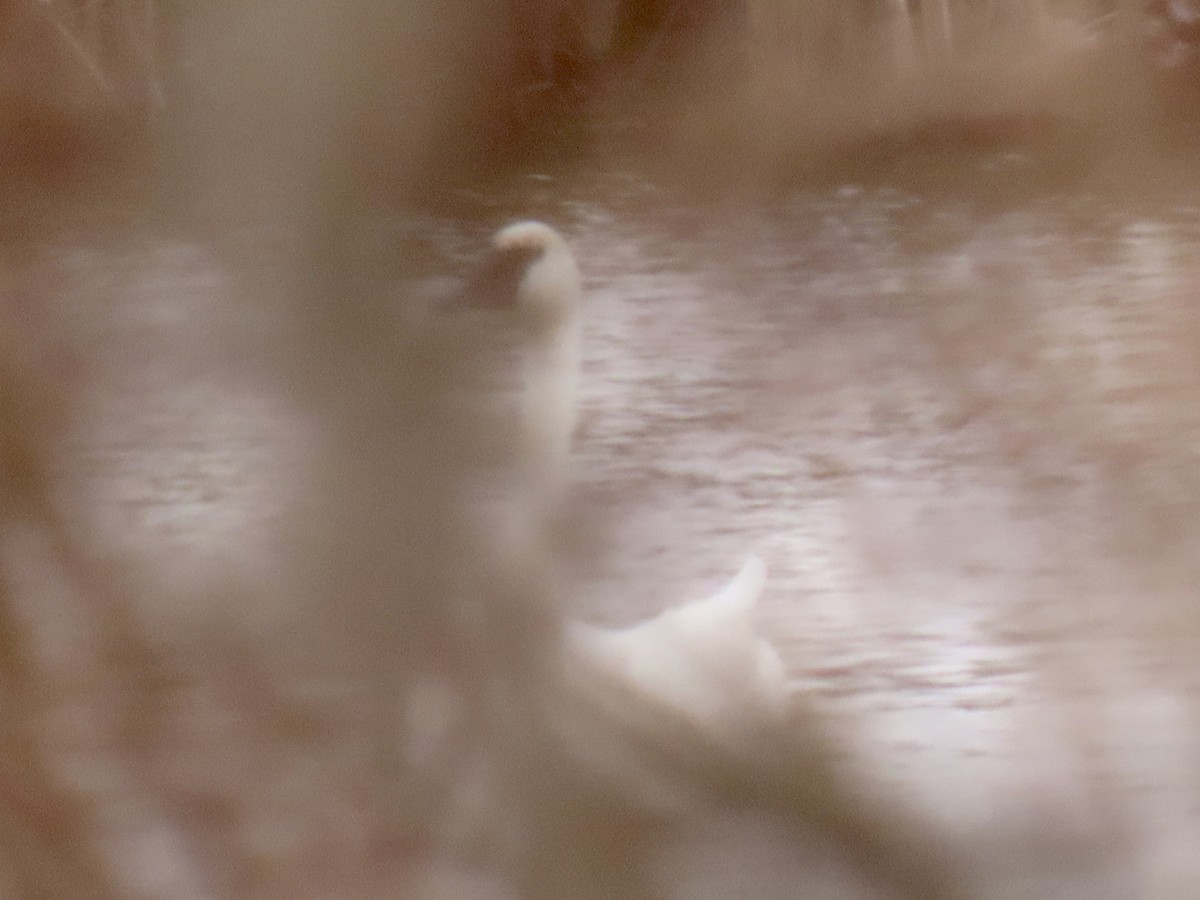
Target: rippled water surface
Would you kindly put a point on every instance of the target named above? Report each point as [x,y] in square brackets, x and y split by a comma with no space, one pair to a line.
[962,434]
[960,425]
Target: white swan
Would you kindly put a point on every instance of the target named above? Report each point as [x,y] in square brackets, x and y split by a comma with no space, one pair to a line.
[632,731]
[704,657]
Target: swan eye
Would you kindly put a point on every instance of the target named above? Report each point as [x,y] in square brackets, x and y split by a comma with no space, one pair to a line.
[495,284]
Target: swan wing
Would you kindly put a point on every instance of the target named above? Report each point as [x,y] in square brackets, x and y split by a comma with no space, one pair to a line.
[703,657]
[740,594]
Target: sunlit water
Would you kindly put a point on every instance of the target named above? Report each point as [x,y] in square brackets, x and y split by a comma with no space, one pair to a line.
[962,433]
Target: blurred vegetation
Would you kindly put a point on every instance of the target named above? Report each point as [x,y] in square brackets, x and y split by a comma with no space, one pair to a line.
[90,85]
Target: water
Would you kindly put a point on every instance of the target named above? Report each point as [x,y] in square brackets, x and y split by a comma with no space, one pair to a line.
[959,424]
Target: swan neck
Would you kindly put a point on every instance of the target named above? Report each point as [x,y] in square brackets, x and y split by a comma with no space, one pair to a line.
[550,399]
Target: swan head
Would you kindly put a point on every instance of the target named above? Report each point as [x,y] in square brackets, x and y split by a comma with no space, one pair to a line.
[531,271]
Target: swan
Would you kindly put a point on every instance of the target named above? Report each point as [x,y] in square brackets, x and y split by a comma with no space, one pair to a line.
[634,729]
[703,657]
